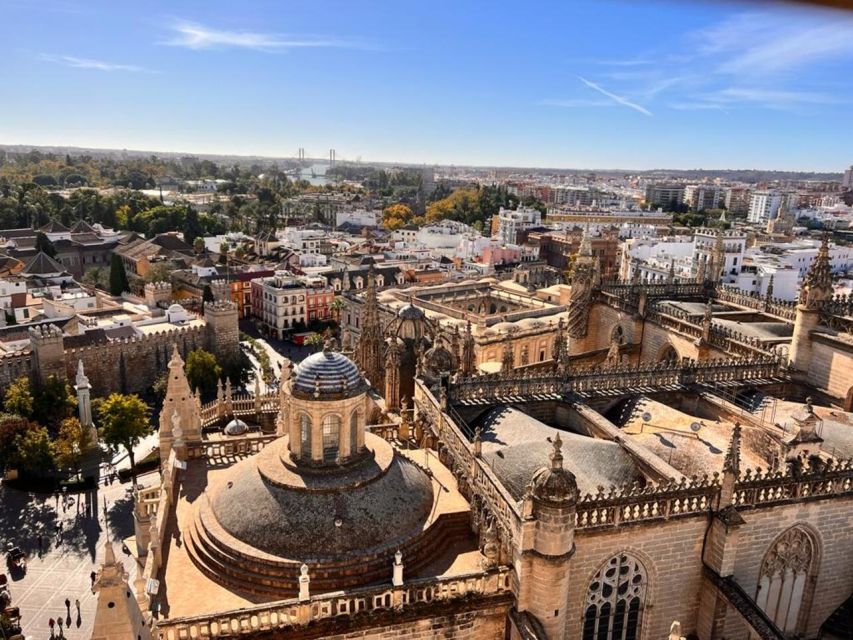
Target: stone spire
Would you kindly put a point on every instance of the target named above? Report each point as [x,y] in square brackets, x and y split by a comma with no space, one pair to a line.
[817,285]
[584,277]
[718,258]
[558,350]
[392,375]
[707,320]
[180,399]
[768,295]
[670,278]
[468,360]
[118,616]
[368,353]
[585,249]
[701,272]
[731,469]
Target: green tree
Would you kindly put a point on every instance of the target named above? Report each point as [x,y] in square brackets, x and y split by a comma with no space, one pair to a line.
[96,277]
[44,244]
[11,426]
[19,399]
[202,372]
[33,450]
[71,445]
[123,423]
[53,401]
[395,216]
[316,340]
[198,245]
[118,276]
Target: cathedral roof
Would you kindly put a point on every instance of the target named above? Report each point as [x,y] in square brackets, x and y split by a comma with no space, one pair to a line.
[327,372]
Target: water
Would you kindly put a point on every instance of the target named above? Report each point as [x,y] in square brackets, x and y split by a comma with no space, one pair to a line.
[315,174]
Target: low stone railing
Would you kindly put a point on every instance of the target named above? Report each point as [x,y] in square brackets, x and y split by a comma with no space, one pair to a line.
[758,488]
[785,309]
[244,404]
[293,612]
[497,387]
[642,504]
[243,445]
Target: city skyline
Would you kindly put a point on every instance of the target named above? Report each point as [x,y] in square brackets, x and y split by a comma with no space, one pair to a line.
[732,86]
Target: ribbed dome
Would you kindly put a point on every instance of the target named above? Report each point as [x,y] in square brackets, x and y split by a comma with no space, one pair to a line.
[329,372]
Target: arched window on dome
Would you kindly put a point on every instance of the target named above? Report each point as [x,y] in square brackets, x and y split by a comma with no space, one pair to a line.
[784,579]
[305,436]
[353,433]
[331,437]
[615,600]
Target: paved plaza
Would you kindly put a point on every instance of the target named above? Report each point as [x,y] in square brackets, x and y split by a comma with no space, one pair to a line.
[61,570]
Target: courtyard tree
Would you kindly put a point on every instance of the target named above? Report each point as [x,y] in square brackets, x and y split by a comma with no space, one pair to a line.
[32,450]
[71,445]
[19,399]
[396,215]
[53,401]
[198,245]
[11,426]
[124,422]
[202,372]
[118,276]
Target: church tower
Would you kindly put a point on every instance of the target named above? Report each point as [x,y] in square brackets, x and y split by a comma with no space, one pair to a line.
[118,616]
[368,352]
[584,279]
[814,291]
[180,399]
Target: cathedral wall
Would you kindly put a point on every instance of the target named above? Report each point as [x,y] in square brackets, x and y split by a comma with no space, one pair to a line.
[603,319]
[671,553]
[831,369]
[830,522]
[483,622]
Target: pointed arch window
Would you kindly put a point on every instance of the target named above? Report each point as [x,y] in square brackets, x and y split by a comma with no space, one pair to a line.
[784,577]
[615,600]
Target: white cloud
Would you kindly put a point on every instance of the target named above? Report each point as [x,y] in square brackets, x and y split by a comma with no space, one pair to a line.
[195,36]
[769,97]
[759,44]
[616,98]
[89,63]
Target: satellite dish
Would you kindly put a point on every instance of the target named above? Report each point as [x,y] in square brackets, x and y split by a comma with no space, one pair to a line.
[647,416]
[695,426]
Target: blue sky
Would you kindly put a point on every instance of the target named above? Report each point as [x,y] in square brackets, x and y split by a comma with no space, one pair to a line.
[601,84]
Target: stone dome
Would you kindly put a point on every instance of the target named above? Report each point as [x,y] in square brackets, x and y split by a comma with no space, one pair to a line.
[330,373]
[378,505]
[236,428]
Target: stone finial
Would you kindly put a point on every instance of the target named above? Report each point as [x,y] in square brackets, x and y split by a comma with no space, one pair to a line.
[304,584]
[397,578]
[177,430]
[557,453]
[675,631]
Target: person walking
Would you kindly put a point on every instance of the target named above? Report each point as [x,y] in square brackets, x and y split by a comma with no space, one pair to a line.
[77,604]
[51,623]
[40,543]
[92,577]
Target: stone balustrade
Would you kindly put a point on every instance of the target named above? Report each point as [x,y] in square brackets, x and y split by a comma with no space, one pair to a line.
[784,309]
[497,387]
[759,488]
[290,613]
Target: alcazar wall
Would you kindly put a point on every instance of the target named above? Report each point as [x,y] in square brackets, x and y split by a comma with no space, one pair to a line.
[671,554]
[13,366]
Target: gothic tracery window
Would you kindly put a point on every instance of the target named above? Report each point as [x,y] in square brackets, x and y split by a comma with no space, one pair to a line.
[615,600]
[784,578]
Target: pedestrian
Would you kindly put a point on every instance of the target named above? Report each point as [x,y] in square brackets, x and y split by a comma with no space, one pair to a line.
[59,623]
[68,605]
[50,623]
[77,604]
[92,577]
[40,544]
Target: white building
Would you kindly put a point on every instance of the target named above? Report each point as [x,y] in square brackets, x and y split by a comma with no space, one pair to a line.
[510,222]
[359,217]
[764,205]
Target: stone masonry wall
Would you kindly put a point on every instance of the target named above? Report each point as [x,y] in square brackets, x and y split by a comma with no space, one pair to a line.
[457,621]
[831,369]
[830,523]
[671,554]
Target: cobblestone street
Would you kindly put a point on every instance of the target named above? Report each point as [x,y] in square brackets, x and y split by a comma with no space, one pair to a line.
[72,547]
